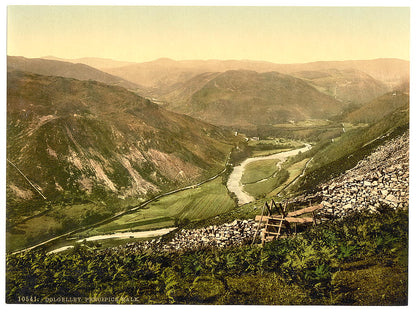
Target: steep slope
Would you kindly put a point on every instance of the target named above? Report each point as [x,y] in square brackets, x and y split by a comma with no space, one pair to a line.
[382,178]
[65,69]
[84,139]
[346,85]
[247,98]
[380,107]
[178,95]
[332,158]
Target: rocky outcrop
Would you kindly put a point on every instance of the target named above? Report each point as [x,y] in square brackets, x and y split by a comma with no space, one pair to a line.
[380,179]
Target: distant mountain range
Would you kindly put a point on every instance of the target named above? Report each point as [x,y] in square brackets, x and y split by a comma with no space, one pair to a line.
[179,85]
[91,61]
[243,93]
[166,72]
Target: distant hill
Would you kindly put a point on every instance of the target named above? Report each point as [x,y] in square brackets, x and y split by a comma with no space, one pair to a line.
[389,71]
[65,69]
[379,108]
[159,74]
[86,139]
[246,98]
[179,95]
[346,85]
[91,61]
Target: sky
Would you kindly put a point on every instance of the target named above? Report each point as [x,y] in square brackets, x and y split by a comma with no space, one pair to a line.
[145,33]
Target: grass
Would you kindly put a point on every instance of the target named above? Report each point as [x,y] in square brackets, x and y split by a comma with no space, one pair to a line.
[258,170]
[59,219]
[262,188]
[294,171]
[31,232]
[275,181]
[270,152]
[204,202]
[305,123]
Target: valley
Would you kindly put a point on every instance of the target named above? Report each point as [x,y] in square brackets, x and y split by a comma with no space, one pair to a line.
[94,165]
[225,155]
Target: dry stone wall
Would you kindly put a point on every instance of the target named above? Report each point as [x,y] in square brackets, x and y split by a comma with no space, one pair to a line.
[229,234]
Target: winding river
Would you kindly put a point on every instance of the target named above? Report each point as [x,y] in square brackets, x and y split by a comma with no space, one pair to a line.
[234,184]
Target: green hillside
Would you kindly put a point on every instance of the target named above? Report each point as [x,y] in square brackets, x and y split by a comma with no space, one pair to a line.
[84,140]
[333,158]
[380,107]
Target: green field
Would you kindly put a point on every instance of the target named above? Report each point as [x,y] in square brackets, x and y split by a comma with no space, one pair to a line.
[276,182]
[305,123]
[258,170]
[262,188]
[206,201]
[59,219]
[294,170]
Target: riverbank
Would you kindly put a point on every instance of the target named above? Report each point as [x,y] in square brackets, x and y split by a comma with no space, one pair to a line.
[234,184]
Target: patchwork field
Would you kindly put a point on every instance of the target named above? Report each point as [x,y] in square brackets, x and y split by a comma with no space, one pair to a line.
[274,183]
[259,170]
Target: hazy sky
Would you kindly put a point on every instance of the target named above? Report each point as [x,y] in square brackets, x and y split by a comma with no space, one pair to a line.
[276,34]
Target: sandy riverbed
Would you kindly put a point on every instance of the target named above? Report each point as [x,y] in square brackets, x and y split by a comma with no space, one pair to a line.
[234,181]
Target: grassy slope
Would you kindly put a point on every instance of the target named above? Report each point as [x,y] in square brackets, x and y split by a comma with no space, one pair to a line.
[87,143]
[244,98]
[331,159]
[52,120]
[379,108]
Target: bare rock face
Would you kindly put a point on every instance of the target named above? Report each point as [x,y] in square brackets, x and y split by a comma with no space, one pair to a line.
[380,179]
